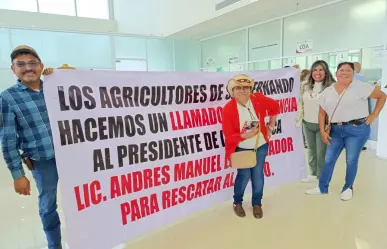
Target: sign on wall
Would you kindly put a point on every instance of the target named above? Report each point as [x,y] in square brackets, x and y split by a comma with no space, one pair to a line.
[317,57]
[291,61]
[210,61]
[236,67]
[233,58]
[304,46]
[136,151]
[342,56]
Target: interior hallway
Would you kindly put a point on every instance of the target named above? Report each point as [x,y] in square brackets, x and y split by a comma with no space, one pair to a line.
[291,220]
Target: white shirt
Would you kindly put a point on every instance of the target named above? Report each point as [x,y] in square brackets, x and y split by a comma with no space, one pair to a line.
[353,105]
[311,103]
[244,115]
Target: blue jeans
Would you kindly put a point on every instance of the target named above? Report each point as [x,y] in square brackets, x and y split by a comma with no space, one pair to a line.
[256,175]
[46,176]
[352,138]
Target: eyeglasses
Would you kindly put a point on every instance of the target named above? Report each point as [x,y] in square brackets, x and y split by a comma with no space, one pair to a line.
[22,64]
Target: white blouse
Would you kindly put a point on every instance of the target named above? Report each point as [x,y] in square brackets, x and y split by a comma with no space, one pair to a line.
[244,115]
[311,103]
[353,105]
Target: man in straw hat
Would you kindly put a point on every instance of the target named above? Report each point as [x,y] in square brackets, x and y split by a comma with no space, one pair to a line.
[26,127]
[244,129]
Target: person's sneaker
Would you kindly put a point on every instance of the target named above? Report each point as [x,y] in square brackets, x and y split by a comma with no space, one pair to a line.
[308,179]
[347,195]
[313,191]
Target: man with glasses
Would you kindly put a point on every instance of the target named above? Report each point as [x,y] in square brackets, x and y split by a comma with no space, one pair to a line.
[26,127]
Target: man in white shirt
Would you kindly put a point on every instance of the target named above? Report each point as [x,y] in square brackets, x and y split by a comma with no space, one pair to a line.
[359,76]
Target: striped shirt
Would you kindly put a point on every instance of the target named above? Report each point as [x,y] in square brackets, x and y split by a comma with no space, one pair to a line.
[25,126]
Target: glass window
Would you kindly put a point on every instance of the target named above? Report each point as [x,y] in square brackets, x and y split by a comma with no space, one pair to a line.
[301,61]
[275,64]
[160,55]
[332,62]
[93,8]
[7,77]
[59,7]
[25,5]
[237,67]
[131,65]
[187,56]
[288,62]
[56,48]
[223,69]
[5,49]
[261,65]
[130,47]
[222,48]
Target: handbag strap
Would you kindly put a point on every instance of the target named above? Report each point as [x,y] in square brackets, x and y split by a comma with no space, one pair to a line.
[338,102]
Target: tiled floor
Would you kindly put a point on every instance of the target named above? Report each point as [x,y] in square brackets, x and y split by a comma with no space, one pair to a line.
[292,220]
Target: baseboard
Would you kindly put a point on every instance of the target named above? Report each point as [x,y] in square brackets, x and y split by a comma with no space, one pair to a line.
[371,144]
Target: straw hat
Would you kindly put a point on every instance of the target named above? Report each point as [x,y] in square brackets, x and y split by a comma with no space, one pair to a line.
[239,80]
[66,66]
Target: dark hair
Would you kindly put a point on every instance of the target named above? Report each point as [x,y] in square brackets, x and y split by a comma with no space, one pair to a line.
[286,66]
[350,64]
[328,80]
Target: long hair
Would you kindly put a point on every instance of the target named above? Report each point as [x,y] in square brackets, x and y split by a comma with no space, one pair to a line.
[327,81]
[304,73]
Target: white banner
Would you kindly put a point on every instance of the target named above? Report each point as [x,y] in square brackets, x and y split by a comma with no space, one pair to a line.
[136,151]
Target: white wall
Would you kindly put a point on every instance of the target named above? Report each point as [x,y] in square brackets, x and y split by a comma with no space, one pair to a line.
[145,17]
[265,41]
[220,49]
[181,14]
[346,25]
[19,19]
[165,17]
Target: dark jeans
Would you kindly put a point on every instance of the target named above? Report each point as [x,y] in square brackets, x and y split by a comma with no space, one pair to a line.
[257,178]
[46,176]
[352,138]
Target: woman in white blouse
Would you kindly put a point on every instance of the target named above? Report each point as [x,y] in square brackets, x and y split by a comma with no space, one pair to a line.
[346,104]
[308,108]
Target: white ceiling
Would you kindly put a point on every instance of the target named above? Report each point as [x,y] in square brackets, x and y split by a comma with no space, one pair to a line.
[257,12]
